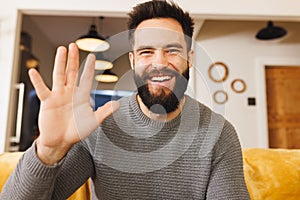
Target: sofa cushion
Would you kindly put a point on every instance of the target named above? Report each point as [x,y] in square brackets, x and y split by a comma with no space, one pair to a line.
[272,174]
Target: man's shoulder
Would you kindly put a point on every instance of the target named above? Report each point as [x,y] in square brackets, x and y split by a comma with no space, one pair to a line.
[204,109]
[213,119]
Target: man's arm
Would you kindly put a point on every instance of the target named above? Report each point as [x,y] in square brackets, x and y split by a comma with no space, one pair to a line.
[34,180]
[227,177]
[65,118]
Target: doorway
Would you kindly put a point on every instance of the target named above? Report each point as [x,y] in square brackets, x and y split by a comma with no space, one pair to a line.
[283,106]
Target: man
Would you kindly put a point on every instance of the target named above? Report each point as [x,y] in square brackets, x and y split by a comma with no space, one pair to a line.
[156,144]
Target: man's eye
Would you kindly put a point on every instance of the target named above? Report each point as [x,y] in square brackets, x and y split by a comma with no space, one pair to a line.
[145,52]
[173,51]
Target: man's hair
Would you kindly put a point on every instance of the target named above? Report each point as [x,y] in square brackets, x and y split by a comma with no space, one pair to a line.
[160,9]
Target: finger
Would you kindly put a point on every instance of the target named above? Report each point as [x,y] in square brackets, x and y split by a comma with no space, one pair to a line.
[72,66]
[40,87]
[59,68]
[86,79]
[106,110]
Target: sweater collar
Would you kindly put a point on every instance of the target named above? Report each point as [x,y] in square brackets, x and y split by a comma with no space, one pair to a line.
[141,117]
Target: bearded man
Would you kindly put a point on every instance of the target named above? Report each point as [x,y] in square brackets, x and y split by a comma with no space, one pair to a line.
[156,144]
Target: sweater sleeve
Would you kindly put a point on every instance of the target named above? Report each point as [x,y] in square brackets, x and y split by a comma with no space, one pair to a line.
[227,177]
[33,180]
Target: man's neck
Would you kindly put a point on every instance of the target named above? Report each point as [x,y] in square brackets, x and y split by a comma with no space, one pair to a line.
[160,117]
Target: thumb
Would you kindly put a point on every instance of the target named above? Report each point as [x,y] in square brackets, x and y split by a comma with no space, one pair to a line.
[106,110]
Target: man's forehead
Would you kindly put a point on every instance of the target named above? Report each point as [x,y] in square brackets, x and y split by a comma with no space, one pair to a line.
[157,37]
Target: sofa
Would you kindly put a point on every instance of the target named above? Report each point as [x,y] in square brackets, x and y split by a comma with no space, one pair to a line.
[270,174]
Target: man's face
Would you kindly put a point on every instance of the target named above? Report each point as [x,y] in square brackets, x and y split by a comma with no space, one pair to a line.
[160,62]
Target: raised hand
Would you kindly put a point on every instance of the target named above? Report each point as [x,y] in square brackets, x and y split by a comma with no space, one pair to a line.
[66,115]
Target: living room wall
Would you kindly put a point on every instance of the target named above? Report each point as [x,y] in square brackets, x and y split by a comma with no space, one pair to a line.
[234,43]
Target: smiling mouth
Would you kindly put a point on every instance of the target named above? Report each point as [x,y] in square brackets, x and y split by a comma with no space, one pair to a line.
[161,78]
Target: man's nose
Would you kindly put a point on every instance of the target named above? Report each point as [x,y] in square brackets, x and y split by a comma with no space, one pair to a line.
[160,59]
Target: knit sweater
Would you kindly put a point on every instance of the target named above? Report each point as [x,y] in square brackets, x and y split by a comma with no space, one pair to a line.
[197,155]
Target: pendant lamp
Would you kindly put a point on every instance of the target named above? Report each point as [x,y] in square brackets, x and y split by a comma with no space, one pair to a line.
[92,41]
[107,77]
[101,62]
[271,32]
[103,65]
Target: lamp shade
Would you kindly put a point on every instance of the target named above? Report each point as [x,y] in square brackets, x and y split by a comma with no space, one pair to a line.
[107,77]
[92,41]
[271,32]
[102,63]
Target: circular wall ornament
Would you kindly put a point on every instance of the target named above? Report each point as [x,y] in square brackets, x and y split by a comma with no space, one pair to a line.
[220,97]
[238,85]
[218,72]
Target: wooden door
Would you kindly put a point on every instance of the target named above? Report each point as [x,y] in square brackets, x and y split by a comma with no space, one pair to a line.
[283,104]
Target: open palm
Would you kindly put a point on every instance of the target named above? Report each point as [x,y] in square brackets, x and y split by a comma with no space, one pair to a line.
[66,115]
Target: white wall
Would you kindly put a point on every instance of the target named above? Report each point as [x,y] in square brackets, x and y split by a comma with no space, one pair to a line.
[234,43]
[213,9]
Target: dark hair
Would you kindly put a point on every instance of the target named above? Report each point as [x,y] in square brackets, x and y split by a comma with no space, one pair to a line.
[160,9]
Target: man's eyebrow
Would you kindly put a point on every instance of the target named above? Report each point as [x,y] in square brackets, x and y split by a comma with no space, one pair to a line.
[176,45]
[140,48]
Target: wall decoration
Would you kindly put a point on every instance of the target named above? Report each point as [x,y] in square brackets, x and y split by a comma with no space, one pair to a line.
[220,97]
[238,85]
[218,72]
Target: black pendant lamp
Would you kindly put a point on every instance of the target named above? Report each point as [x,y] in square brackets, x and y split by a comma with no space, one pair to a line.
[271,32]
[92,41]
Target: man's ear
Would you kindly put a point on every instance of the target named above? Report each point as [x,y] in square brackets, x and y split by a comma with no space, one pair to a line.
[190,58]
[131,59]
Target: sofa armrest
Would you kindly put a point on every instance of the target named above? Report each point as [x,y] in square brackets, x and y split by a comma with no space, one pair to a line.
[8,162]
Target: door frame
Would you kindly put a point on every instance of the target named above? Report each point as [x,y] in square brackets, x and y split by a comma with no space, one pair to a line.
[262,112]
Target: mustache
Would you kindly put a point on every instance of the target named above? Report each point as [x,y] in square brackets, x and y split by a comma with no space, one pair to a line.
[156,72]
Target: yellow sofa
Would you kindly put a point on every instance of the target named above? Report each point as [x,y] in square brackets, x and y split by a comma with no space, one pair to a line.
[270,174]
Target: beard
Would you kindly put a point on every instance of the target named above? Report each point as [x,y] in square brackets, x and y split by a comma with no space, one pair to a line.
[167,100]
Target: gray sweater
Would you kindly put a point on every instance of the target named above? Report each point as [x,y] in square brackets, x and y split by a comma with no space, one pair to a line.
[197,155]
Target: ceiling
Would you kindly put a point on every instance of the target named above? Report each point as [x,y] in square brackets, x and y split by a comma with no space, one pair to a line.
[61,30]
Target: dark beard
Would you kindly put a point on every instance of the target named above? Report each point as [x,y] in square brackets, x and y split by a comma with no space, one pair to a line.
[165,102]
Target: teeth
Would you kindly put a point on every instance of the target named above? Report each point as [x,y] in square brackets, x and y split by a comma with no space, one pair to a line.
[161,78]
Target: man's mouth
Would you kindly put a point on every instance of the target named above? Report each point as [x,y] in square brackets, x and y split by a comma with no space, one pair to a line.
[161,78]
[159,81]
